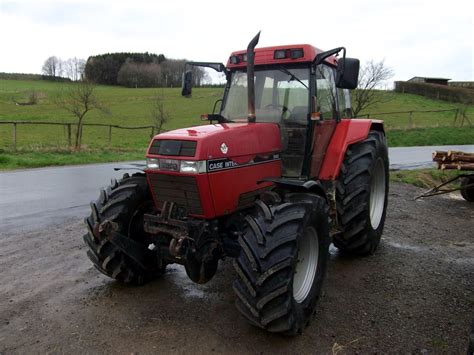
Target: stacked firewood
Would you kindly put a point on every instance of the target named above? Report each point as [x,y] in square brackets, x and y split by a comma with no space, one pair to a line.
[454,160]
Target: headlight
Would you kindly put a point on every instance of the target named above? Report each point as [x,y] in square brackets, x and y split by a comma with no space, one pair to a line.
[152,163]
[193,166]
[182,166]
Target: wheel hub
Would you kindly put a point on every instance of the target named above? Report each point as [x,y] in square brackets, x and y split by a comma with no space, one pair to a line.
[377,194]
[307,264]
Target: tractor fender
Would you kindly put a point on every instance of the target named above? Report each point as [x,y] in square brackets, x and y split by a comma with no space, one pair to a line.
[348,131]
[294,185]
[131,166]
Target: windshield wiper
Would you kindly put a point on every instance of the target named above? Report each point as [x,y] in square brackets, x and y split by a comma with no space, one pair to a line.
[293,77]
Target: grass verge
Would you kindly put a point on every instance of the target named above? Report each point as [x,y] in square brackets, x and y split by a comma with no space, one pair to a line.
[36,159]
[425,178]
[431,136]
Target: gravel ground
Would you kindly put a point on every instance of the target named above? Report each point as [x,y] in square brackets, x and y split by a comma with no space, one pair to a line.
[415,295]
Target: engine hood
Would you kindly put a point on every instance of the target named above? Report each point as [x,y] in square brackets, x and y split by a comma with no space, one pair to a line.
[226,140]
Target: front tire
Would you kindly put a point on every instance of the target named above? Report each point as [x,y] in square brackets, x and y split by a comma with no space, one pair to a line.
[361,195]
[123,203]
[283,262]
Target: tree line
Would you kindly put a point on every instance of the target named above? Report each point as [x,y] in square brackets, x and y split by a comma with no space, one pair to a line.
[56,68]
[125,69]
[139,70]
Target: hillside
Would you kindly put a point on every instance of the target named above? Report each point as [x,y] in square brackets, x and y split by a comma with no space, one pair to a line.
[131,107]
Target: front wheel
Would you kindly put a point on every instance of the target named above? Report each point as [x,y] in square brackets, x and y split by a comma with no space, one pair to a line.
[123,203]
[282,264]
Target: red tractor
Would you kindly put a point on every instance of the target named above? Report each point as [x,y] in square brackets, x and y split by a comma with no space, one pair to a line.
[277,175]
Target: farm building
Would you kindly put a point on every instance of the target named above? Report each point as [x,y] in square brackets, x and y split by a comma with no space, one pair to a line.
[420,79]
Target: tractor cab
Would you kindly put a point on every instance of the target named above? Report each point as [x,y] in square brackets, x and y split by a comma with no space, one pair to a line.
[295,87]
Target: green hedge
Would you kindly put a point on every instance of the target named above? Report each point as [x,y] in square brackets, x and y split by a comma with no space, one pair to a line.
[434,91]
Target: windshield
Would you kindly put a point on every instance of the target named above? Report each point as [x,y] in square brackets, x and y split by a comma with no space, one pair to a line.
[280,94]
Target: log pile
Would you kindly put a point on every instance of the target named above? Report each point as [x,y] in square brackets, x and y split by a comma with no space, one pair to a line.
[454,160]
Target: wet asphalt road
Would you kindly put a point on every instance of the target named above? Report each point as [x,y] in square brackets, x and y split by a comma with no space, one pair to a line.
[37,198]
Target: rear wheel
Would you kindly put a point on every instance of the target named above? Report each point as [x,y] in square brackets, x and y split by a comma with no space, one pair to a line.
[123,203]
[361,195]
[467,193]
[282,264]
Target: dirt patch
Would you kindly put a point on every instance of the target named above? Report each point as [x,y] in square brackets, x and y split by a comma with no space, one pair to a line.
[415,294]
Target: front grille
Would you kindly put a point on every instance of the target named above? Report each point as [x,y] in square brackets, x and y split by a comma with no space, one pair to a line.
[173,147]
[182,190]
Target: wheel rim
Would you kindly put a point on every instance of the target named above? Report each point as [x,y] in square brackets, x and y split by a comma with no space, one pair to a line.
[377,194]
[307,264]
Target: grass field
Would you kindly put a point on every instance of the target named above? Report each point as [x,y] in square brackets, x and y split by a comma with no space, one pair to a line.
[45,145]
[425,178]
[127,107]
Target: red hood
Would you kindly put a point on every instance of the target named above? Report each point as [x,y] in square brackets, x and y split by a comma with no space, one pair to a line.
[241,139]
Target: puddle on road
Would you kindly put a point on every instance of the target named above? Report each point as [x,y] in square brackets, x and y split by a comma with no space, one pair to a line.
[179,277]
[409,247]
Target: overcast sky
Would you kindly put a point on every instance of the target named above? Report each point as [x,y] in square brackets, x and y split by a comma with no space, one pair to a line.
[415,38]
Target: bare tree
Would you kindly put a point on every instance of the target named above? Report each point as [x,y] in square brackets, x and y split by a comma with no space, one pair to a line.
[79,67]
[79,99]
[51,66]
[74,68]
[159,114]
[139,74]
[69,68]
[371,77]
[60,68]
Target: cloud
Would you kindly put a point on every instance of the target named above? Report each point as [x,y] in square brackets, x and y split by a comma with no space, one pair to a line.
[414,37]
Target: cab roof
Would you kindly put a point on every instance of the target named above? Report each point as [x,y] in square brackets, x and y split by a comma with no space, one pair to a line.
[266,55]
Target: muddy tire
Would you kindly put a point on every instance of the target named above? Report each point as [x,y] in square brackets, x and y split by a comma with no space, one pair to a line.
[282,264]
[470,346]
[361,195]
[123,203]
[468,194]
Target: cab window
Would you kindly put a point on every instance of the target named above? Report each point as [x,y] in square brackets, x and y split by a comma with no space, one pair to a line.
[326,92]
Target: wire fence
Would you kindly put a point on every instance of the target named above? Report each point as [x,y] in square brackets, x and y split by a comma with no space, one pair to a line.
[65,136]
[101,135]
[456,117]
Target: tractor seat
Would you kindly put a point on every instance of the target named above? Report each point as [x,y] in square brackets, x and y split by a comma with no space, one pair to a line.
[299,116]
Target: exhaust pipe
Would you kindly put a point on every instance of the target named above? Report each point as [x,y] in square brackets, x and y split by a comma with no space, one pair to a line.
[250,80]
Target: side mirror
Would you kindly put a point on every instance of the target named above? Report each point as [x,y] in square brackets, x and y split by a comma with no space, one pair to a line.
[347,74]
[187,84]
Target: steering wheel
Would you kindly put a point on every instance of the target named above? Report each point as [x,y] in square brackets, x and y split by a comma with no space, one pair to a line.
[284,109]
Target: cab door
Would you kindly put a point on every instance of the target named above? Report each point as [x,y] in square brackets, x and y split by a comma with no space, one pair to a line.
[326,116]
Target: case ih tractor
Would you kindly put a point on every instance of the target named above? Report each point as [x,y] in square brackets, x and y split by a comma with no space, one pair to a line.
[276,176]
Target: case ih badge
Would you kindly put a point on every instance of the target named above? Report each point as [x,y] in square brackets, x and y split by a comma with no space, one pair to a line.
[300,175]
[224,148]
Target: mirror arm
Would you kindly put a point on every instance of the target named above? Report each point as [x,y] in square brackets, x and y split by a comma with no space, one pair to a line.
[218,67]
[323,55]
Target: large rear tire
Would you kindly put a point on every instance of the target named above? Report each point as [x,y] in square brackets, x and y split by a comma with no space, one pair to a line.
[283,262]
[123,203]
[361,195]
[467,193]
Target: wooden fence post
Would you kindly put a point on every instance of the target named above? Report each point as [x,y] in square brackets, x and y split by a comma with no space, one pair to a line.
[110,136]
[456,113]
[69,135]
[14,136]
